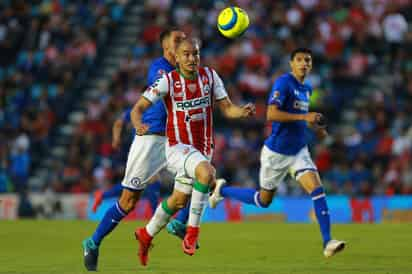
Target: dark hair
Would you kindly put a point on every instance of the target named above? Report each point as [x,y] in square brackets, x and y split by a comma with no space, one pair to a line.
[300,50]
[166,33]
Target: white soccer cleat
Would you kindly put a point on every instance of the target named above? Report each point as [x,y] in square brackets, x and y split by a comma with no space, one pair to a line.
[216,197]
[333,247]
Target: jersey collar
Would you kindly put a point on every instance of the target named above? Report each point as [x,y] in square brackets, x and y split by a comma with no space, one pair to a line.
[186,77]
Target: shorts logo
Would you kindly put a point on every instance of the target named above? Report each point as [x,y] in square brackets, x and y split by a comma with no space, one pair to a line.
[135,182]
[276,94]
[186,150]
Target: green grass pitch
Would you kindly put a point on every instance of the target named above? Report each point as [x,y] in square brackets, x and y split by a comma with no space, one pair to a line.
[256,248]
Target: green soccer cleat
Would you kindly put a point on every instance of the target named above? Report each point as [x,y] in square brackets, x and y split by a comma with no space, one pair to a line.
[90,254]
[178,229]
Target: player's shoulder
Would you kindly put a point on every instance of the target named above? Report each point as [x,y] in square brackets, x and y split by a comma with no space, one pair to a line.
[283,80]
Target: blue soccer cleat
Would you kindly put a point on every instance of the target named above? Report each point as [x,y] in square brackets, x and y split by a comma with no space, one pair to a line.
[90,254]
[178,229]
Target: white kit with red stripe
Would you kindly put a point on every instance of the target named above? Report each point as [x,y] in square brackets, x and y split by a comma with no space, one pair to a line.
[189,105]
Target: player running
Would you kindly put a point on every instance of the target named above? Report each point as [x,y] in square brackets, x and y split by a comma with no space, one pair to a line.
[146,155]
[152,190]
[188,93]
[285,151]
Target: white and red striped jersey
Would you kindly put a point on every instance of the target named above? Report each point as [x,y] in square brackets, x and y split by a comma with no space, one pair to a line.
[189,106]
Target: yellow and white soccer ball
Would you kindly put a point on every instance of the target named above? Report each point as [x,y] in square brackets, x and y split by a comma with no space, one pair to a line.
[232,22]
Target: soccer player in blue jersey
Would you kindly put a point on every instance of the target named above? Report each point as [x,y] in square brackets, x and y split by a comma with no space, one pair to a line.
[146,155]
[152,191]
[285,151]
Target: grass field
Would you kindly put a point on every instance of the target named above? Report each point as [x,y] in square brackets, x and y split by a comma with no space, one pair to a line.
[258,248]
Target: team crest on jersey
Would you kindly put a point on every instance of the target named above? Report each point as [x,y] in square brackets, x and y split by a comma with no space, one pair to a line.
[192,87]
[206,88]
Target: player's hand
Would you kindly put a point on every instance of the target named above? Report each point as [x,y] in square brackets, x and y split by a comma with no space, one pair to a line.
[142,129]
[116,143]
[248,110]
[312,117]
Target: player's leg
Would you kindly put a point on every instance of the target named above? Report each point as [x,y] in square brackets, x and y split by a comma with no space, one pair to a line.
[99,195]
[199,168]
[162,215]
[308,177]
[110,220]
[273,169]
[152,192]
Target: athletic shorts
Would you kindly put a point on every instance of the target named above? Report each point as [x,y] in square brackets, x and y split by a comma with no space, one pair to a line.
[275,166]
[183,159]
[145,159]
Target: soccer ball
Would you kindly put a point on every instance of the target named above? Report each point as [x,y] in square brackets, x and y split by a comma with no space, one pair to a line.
[232,22]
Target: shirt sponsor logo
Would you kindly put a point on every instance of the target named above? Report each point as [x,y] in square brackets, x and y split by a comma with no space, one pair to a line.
[301,105]
[193,104]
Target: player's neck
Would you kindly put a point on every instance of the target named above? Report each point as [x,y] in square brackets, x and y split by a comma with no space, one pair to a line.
[300,79]
[170,59]
[187,74]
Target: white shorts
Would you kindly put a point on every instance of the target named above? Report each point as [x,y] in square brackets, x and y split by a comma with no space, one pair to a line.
[183,160]
[274,166]
[146,158]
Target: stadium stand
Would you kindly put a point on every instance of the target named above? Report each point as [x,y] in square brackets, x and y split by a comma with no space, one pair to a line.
[64,79]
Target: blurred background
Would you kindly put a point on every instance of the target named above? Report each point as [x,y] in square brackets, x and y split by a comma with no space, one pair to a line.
[68,69]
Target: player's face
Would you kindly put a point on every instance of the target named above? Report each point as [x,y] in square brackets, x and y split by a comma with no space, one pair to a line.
[188,57]
[301,64]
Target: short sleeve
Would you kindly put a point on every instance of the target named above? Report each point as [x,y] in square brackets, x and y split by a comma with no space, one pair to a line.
[157,90]
[219,88]
[279,93]
[155,72]
[126,115]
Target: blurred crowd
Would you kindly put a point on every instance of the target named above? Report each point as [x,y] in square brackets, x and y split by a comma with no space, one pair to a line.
[46,49]
[362,81]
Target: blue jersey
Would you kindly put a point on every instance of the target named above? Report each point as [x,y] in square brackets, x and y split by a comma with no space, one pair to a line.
[290,96]
[155,116]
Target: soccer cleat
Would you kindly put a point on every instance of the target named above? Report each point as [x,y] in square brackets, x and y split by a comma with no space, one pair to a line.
[216,197]
[90,254]
[145,243]
[333,247]
[190,240]
[98,198]
[178,229]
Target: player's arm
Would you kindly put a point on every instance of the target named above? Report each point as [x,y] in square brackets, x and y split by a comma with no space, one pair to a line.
[224,103]
[275,114]
[277,99]
[151,95]
[233,111]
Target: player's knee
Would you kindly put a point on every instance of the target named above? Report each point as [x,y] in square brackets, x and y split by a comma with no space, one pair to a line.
[178,200]
[205,173]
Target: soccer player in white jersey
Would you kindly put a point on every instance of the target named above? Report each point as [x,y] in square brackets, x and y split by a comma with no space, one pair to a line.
[189,94]
[285,150]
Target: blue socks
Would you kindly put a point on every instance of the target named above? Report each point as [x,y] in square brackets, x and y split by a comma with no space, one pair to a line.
[113,192]
[322,213]
[183,214]
[110,220]
[152,193]
[246,195]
